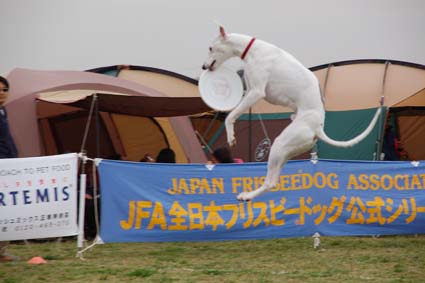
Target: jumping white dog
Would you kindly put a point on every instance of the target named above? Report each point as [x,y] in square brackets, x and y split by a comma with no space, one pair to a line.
[279,78]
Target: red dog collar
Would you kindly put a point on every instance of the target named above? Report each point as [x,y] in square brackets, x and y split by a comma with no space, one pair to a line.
[247,48]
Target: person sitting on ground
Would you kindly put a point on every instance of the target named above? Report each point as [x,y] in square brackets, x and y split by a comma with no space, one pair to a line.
[166,155]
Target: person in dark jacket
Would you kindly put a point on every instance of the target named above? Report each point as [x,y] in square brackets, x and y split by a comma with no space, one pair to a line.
[7,145]
[7,150]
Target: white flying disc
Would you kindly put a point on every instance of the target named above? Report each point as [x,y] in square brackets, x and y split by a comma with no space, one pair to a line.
[221,89]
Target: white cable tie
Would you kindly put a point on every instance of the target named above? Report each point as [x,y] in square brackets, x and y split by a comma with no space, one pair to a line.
[314,158]
[98,240]
[84,157]
[415,163]
[210,167]
[97,161]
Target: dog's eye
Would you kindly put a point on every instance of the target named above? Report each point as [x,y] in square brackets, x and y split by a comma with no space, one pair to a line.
[210,49]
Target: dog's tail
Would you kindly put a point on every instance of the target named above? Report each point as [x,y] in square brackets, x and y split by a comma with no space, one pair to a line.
[322,135]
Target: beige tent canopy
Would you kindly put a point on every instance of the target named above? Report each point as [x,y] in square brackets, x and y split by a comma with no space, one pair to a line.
[55,122]
[360,84]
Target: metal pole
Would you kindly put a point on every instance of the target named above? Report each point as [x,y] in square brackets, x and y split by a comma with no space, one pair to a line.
[82,207]
[381,125]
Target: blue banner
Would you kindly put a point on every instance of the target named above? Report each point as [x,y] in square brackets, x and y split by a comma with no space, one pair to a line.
[149,202]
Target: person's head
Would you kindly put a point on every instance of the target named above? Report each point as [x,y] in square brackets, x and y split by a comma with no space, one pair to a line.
[4,90]
[222,155]
[166,155]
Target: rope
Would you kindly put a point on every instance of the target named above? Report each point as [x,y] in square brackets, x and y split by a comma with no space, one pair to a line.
[95,198]
[96,241]
[265,144]
[263,127]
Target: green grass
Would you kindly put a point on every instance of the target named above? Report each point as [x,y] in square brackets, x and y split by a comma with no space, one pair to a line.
[338,259]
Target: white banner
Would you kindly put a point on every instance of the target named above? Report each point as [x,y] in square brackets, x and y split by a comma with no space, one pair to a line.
[38,197]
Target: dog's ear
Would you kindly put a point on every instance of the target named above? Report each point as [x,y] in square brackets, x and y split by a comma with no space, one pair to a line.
[223,32]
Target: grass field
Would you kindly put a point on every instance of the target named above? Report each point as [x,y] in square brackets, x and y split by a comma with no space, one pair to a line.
[338,259]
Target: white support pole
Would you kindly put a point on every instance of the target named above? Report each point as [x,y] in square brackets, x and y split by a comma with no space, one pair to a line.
[81,210]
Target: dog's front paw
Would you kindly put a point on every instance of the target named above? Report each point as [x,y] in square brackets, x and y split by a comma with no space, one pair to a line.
[230,133]
[231,142]
[244,196]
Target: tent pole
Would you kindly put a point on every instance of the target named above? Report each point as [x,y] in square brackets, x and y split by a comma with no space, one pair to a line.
[381,131]
[210,125]
[204,142]
[381,124]
[82,185]
[82,199]
[86,130]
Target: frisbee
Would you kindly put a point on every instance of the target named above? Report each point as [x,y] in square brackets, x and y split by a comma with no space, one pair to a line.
[221,89]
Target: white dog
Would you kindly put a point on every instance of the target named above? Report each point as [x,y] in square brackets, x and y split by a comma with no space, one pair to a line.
[279,78]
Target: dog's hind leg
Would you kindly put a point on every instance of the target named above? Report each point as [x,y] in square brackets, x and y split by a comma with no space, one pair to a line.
[296,139]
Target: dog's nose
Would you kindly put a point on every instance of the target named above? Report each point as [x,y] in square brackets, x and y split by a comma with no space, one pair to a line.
[204,67]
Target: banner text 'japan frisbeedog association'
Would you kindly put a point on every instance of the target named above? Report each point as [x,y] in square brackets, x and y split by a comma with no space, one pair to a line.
[148,202]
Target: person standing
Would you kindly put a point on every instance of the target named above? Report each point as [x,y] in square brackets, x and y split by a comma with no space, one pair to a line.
[7,145]
[7,150]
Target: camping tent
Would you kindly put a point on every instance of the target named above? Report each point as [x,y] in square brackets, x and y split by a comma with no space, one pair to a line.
[167,82]
[208,125]
[352,91]
[48,115]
